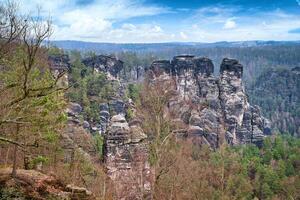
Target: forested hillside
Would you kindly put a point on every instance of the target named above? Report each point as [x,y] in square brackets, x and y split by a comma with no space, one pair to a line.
[277,92]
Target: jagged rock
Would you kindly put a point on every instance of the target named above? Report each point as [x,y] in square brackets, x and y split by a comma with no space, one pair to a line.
[59,64]
[183,63]
[104,117]
[118,118]
[108,64]
[217,105]
[195,130]
[126,159]
[232,65]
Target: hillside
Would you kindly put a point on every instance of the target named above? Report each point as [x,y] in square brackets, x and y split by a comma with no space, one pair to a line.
[277,92]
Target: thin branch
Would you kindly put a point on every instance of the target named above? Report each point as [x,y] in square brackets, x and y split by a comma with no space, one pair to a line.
[11,141]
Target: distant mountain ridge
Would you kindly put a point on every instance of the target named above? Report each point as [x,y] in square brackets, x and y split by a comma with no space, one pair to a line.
[100,47]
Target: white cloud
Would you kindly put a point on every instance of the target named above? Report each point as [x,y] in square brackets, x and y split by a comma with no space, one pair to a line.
[229,24]
[96,21]
[183,36]
[107,21]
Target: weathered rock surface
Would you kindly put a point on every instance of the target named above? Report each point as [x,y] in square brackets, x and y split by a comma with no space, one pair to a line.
[126,159]
[214,108]
[125,144]
[59,62]
[36,185]
[108,64]
[59,66]
[76,136]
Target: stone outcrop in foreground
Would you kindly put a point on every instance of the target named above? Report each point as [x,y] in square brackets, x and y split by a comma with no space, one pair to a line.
[213,108]
[36,185]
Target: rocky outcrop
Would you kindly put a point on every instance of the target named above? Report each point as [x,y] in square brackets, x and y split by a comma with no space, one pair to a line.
[214,108]
[59,62]
[126,159]
[59,66]
[125,143]
[101,63]
[36,185]
[76,136]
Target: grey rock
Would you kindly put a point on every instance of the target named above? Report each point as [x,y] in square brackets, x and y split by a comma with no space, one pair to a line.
[74,108]
[107,64]
[232,65]
[118,118]
[218,106]
[117,106]
[126,159]
[86,125]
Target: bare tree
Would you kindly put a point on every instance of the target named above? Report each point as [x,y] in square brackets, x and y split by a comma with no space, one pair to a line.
[25,77]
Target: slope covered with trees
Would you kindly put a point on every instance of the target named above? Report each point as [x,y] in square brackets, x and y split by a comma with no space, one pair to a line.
[277,92]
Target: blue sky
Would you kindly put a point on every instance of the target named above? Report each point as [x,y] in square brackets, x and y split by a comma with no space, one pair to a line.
[139,21]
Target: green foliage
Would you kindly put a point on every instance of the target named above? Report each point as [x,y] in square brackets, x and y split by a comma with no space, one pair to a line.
[54,51]
[11,193]
[277,92]
[99,141]
[38,160]
[133,91]
[88,88]
[242,172]
[271,165]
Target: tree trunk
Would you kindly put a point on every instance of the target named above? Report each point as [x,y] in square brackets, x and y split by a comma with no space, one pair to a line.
[14,170]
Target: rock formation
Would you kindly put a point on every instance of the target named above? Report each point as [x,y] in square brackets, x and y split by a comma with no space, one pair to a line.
[76,136]
[126,159]
[60,65]
[36,185]
[214,108]
[108,64]
[125,143]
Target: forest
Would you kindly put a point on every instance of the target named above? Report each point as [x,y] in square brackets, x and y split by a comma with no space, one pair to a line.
[51,146]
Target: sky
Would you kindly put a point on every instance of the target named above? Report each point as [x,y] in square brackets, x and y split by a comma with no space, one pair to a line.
[153,21]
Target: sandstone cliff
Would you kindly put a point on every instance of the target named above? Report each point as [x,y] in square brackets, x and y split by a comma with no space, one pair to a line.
[125,143]
[214,108]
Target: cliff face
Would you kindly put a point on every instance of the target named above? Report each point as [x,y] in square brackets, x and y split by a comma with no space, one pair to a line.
[108,64]
[125,143]
[214,108]
[126,159]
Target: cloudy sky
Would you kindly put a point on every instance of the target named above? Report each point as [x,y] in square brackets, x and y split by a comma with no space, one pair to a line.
[139,21]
